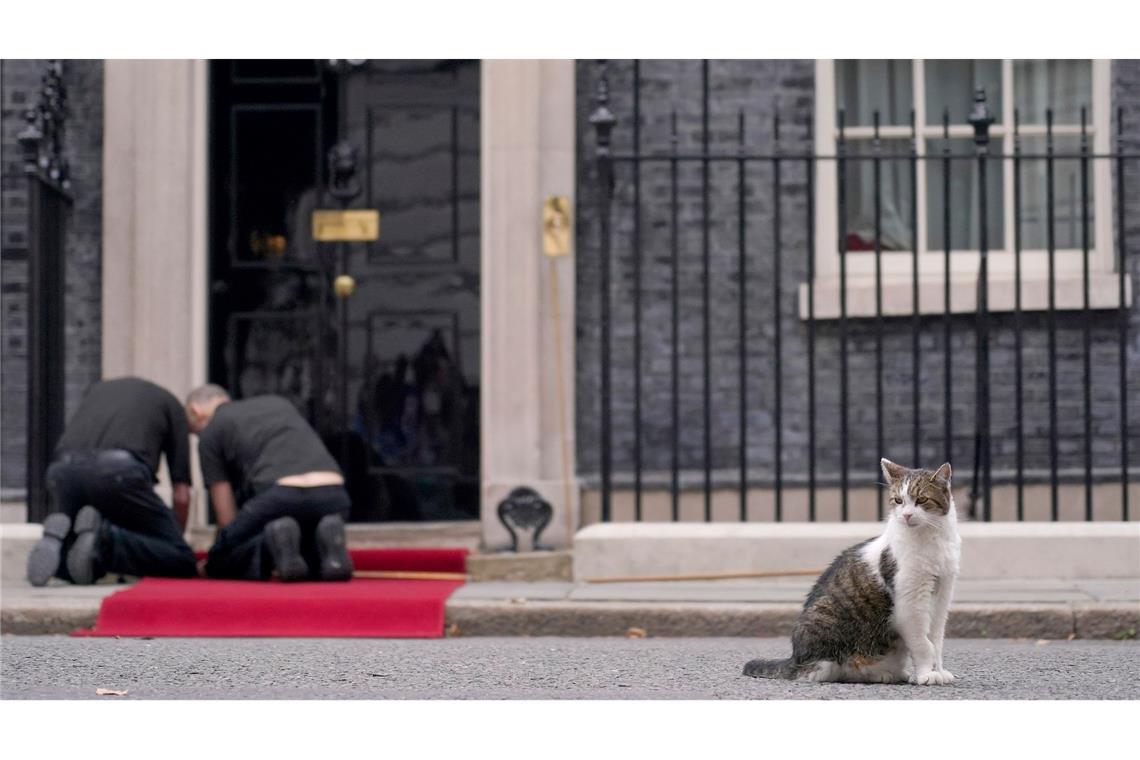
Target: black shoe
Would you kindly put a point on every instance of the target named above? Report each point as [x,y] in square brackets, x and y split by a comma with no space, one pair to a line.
[336,565]
[43,562]
[283,537]
[83,562]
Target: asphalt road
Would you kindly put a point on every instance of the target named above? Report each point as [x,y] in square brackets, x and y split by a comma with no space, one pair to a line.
[49,667]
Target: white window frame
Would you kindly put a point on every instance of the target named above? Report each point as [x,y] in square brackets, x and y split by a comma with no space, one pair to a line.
[897,274]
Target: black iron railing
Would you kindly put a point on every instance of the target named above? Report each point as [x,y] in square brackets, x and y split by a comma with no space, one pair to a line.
[49,201]
[616,168]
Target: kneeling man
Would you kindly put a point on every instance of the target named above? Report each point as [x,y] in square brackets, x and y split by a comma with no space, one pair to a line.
[107,517]
[294,502]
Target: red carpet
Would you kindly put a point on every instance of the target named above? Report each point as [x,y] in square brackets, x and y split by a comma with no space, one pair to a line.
[359,608]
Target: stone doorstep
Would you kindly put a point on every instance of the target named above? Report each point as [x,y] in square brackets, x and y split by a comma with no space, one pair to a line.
[472,617]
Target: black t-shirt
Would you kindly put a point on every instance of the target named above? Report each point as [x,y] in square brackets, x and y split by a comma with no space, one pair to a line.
[136,415]
[255,442]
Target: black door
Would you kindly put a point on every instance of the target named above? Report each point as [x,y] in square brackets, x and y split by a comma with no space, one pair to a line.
[389,375]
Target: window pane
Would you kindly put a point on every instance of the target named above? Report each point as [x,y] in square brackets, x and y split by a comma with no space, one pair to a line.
[1063,85]
[863,87]
[964,199]
[950,87]
[894,193]
[1066,195]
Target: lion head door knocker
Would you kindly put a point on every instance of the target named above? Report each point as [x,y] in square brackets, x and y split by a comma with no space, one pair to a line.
[524,511]
[343,184]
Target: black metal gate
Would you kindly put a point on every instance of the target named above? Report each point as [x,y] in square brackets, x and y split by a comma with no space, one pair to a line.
[49,202]
[621,173]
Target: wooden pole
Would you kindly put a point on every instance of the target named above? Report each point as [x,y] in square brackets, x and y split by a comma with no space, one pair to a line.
[562,428]
[702,576]
[408,575]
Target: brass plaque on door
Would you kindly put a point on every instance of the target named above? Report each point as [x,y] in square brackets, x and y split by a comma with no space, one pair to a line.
[348,225]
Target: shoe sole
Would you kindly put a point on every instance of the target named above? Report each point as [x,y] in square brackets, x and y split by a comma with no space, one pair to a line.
[283,538]
[336,565]
[87,520]
[81,557]
[44,559]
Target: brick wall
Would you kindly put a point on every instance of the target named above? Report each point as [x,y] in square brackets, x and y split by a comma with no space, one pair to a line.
[19,87]
[757,88]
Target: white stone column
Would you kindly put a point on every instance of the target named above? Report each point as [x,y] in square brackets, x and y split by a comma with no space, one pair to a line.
[527,122]
[154,223]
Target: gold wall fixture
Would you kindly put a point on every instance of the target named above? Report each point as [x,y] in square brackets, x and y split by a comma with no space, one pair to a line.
[556,226]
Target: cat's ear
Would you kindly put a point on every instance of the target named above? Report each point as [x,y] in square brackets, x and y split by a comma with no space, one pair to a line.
[943,472]
[891,470]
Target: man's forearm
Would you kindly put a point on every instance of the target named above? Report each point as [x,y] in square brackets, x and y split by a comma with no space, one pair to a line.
[225,506]
[181,503]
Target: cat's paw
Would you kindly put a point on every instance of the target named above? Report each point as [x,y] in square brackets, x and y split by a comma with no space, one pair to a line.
[947,676]
[928,678]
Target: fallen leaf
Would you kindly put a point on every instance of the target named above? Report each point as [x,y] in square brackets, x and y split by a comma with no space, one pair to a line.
[518,600]
[635,633]
[453,630]
[1042,641]
[110,693]
[1072,636]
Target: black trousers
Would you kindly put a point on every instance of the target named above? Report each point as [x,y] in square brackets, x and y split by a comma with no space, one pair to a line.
[238,551]
[139,535]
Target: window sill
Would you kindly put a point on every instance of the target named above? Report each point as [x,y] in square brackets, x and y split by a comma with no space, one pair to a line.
[1104,293]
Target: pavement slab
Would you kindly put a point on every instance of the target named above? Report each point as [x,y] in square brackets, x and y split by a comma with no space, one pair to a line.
[55,608]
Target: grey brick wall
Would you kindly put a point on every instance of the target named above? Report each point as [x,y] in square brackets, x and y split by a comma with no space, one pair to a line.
[758,88]
[19,86]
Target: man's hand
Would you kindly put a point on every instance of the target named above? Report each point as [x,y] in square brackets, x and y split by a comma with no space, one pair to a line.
[182,504]
[222,497]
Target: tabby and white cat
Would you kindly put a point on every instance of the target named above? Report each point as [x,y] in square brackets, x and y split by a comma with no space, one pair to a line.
[878,613]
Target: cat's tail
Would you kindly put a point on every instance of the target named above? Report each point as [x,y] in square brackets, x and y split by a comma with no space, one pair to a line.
[771,669]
